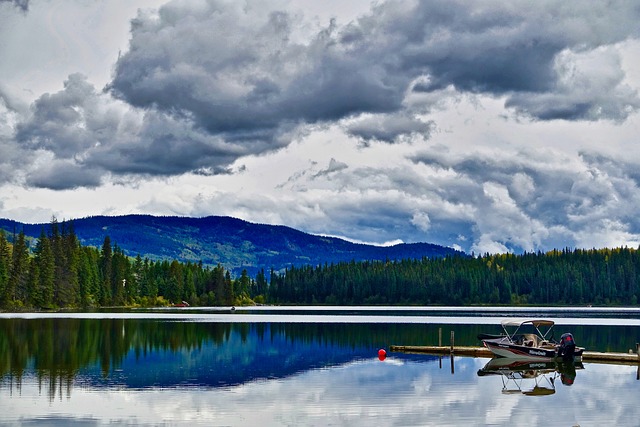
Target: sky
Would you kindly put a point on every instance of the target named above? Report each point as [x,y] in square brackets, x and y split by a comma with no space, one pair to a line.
[491,126]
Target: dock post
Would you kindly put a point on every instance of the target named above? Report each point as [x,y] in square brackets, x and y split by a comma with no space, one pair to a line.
[452,340]
[638,353]
[440,344]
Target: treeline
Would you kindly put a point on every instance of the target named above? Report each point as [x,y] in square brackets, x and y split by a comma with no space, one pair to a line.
[58,272]
[596,276]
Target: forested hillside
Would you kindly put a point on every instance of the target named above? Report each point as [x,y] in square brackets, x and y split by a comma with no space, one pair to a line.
[234,244]
[599,277]
[60,272]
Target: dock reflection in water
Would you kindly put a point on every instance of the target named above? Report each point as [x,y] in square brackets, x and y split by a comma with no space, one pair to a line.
[155,372]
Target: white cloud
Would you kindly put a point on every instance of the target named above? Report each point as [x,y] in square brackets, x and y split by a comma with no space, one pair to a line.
[487,127]
[421,220]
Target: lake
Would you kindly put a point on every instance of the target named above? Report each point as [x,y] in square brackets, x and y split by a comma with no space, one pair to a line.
[304,366]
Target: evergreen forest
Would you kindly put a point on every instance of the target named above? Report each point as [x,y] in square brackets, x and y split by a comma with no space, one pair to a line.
[56,271]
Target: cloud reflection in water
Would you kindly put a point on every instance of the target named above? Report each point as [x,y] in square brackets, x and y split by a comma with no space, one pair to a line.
[363,393]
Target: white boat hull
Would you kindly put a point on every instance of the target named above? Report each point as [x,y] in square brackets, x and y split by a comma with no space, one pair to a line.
[503,348]
[527,340]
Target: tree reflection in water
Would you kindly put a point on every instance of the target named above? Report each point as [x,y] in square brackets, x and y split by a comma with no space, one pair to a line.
[63,353]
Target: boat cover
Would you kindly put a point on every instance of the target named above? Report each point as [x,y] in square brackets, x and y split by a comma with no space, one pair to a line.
[534,322]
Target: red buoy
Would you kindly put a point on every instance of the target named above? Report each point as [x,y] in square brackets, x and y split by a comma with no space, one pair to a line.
[382,354]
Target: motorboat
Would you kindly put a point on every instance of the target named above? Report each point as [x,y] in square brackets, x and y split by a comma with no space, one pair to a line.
[531,339]
[531,378]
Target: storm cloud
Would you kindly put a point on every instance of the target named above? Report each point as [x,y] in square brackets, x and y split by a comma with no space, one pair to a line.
[203,84]
[20,4]
[236,69]
[91,135]
[484,200]
[488,126]
[239,72]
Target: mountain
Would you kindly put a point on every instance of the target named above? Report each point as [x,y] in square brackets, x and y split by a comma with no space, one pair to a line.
[231,242]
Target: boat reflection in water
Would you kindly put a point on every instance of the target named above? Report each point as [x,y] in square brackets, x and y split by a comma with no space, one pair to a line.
[531,378]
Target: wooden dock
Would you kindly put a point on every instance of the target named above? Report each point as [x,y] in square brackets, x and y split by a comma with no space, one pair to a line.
[587,356]
[442,350]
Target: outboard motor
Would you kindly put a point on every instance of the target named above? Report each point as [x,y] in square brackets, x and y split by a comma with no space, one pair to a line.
[567,347]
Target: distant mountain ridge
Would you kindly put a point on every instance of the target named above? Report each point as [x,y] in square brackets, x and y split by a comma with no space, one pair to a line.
[234,243]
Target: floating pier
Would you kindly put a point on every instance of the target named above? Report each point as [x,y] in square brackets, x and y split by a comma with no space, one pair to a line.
[630,358]
[587,356]
[442,350]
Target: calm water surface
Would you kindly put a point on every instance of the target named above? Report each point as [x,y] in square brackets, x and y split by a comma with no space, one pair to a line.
[303,367]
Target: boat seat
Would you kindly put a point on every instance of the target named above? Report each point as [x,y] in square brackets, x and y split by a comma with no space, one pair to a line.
[530,340]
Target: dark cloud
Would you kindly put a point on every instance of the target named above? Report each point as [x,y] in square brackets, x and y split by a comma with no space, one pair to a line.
[527,179]
[90,135]
[236,70]
[203,84]
[524,52]
[389,127]
[12,159]
[20,4]
[530,201]
[590,87]
[64,122]
[63,175]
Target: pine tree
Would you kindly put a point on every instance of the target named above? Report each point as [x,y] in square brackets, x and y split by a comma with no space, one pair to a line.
[16,290]
[175,290]
[137,275]
[189,289]
[228,296]
[46,270]
[148,284]
[5,266]
[34,292]
[218,278]
[242,288]
[88,276]
[119,276]
[106,259]
[66,255]
[260,284]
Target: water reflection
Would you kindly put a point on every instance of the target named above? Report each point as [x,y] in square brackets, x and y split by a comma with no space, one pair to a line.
[157,353]
[364,393]
[153,353]
[66,371]
[531,378]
